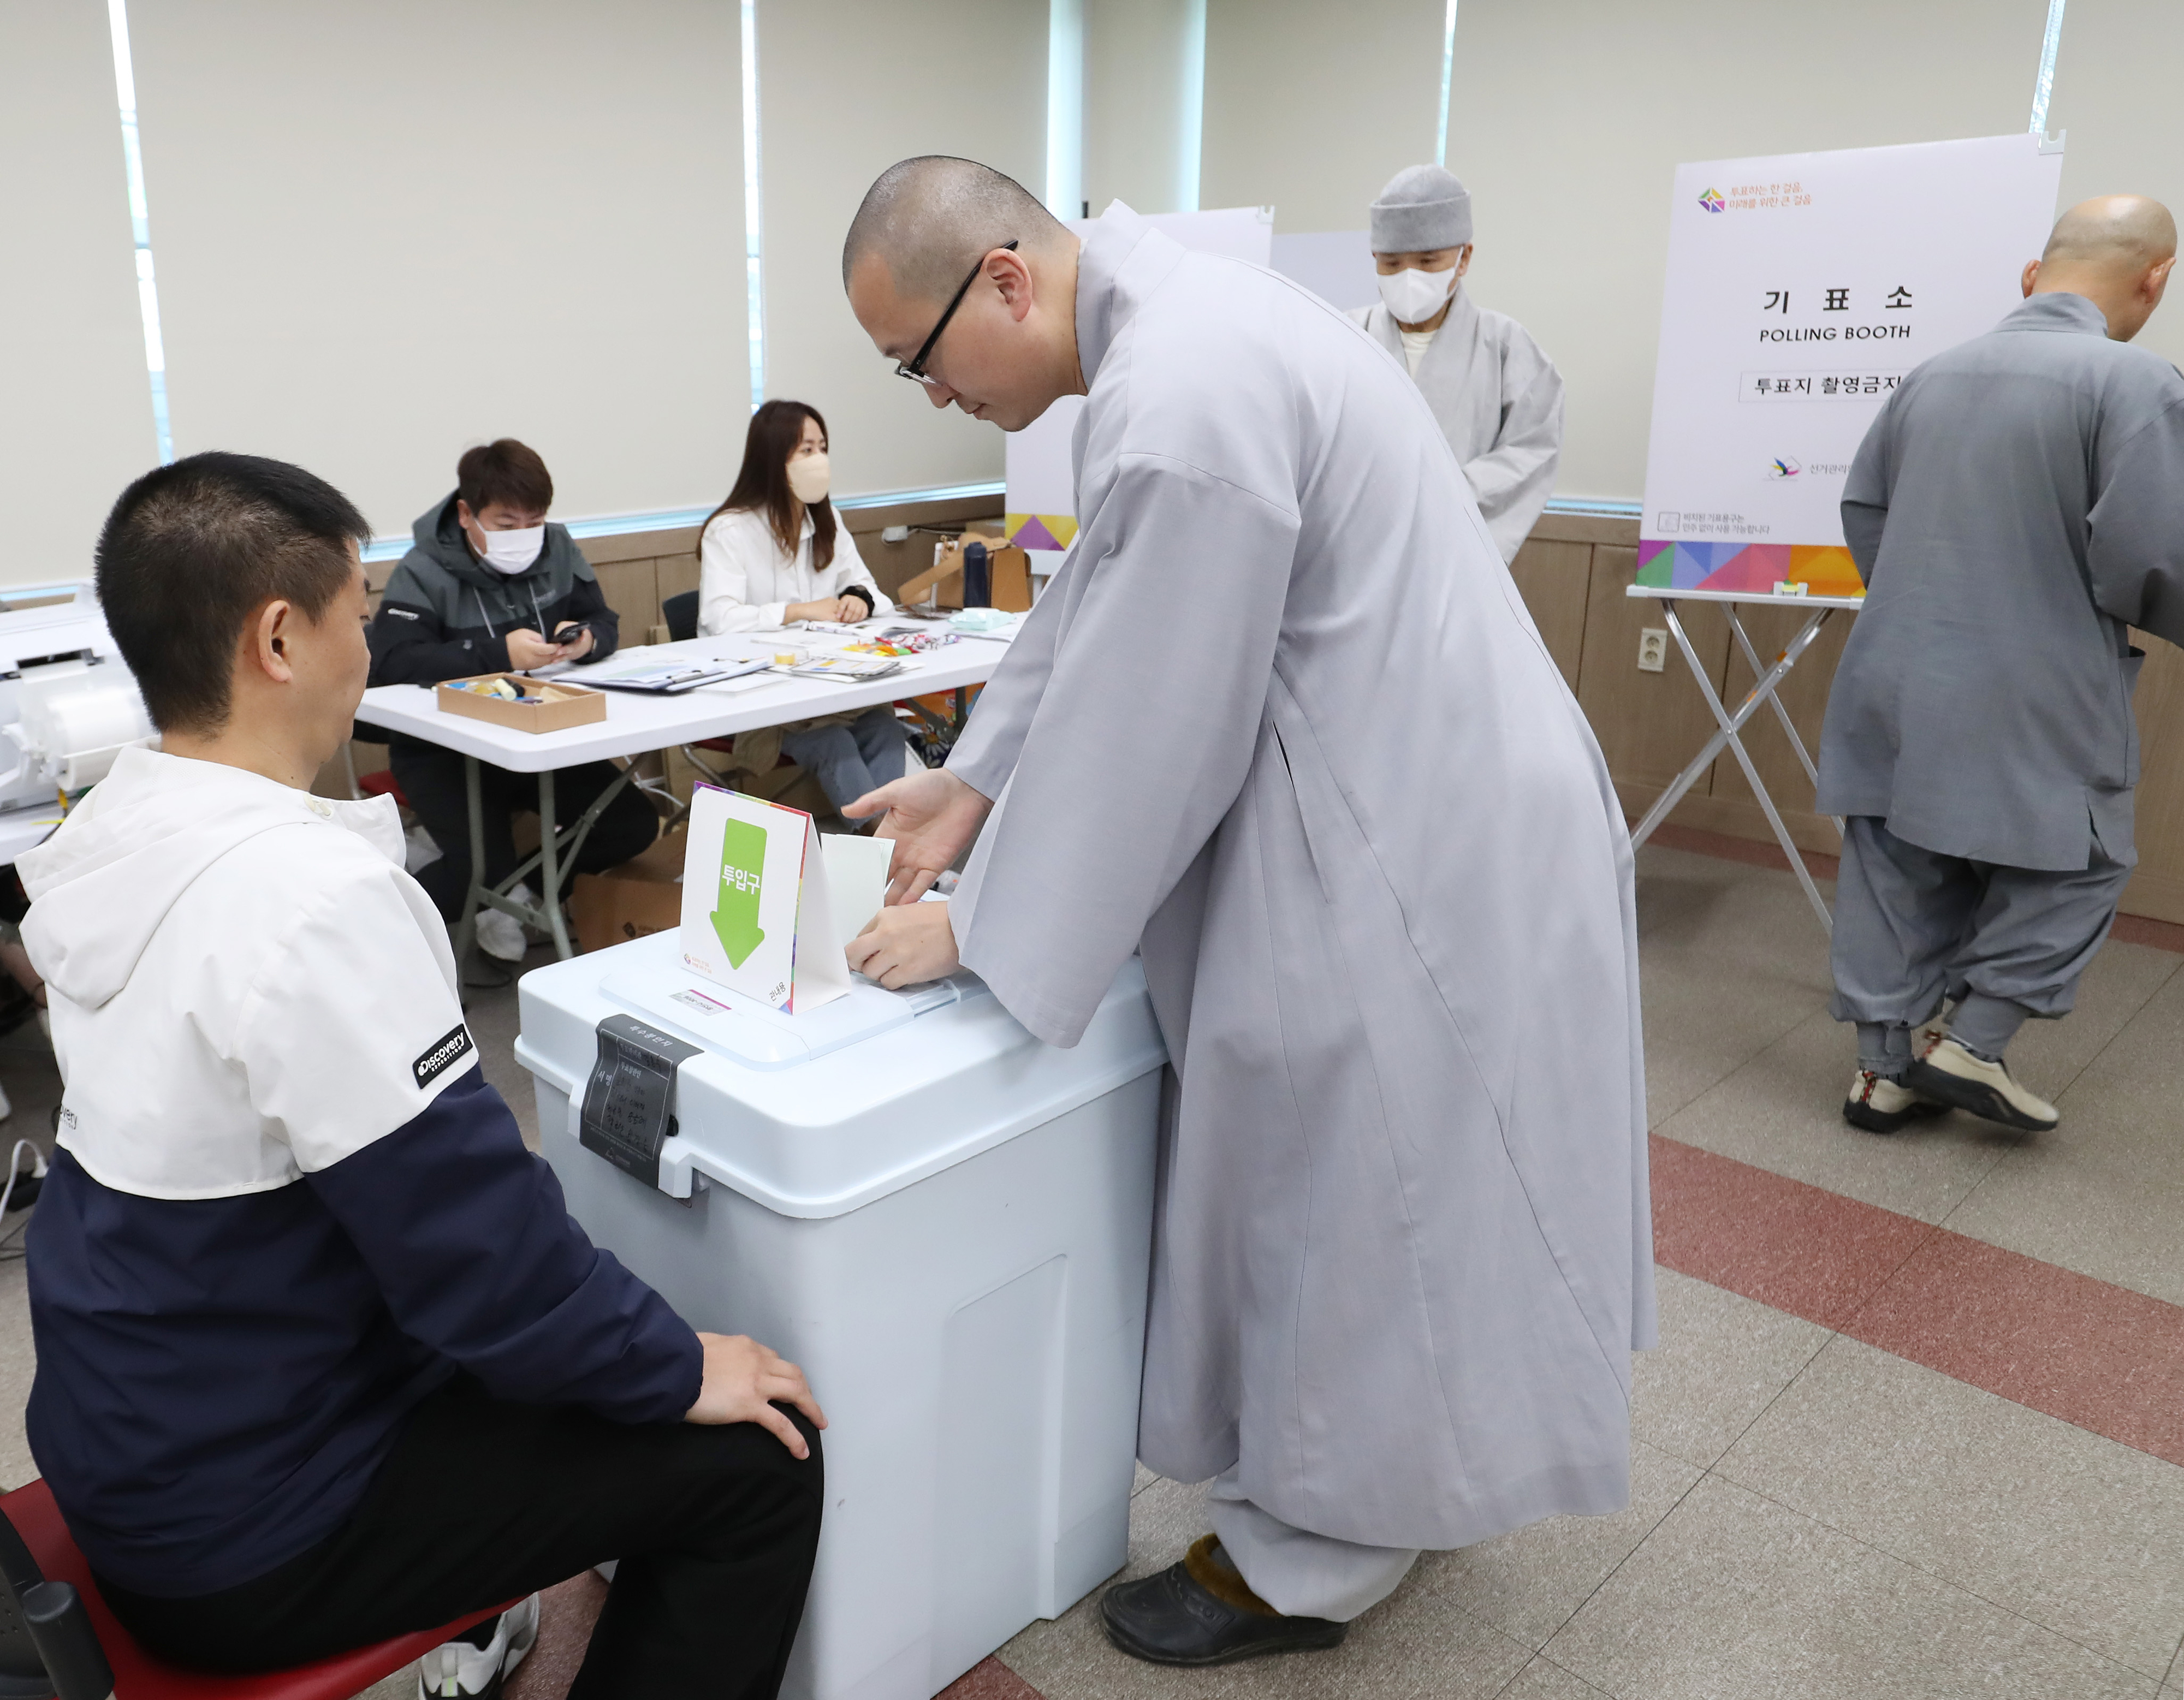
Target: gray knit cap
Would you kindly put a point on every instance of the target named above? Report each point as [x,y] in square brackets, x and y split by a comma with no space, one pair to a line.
[1423,208]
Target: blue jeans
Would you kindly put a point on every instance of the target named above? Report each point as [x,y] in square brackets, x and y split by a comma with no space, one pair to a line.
[850,760]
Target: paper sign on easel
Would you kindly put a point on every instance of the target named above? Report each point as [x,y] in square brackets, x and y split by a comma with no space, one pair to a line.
[759,913]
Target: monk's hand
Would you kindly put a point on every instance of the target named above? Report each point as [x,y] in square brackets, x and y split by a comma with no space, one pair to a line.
[906,944]
[742,1382]
[932,815]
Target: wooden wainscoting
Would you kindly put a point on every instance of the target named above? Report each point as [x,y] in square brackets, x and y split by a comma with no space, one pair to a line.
[1573,573]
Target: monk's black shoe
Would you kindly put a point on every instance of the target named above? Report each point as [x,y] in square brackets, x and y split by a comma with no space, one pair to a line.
[1199,1611]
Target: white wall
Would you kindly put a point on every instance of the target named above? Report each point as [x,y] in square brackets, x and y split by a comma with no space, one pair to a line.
[1139,56]
[2116,94]
[848,88]
[75,404]
[1310,108]
[388,229]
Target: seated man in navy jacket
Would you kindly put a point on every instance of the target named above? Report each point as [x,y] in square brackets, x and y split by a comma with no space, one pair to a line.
[321,1357]
[490,585]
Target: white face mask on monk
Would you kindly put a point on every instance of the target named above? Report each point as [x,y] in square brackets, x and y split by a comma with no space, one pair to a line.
[1413,296]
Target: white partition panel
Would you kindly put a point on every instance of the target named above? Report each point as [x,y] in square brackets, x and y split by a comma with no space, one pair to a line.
[847,88]
[77,422]
[1568,120]
[388,229]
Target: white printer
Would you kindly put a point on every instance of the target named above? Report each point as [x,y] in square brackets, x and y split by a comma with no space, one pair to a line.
[68,702]
[946,1222]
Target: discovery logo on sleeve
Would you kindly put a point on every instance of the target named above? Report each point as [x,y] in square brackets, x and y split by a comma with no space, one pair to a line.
[441,1055]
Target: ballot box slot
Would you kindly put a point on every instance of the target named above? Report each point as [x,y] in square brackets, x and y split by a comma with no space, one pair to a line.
[629,1101]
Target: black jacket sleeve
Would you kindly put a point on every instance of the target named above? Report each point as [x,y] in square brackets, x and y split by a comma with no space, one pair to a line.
[587,602]
[410,647]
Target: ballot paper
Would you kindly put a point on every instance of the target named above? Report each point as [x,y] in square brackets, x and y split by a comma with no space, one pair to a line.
[856,878]
[759,913]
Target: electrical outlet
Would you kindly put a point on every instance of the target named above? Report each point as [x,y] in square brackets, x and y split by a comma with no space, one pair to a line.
[1652,648]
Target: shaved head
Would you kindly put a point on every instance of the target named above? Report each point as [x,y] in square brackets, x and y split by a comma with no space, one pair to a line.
[929,220]
[2116,251]
[2121,233]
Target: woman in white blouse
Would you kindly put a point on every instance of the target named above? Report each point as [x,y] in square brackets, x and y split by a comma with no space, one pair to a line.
[773,554]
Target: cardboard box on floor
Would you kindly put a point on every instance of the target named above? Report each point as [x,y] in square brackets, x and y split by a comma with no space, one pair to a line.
[643,896]
[1009,568]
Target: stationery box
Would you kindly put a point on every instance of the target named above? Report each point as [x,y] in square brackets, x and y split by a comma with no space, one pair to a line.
[559,706]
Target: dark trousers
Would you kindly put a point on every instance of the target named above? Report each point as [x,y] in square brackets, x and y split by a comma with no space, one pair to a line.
[483,1502]
[850,760]
[432,781]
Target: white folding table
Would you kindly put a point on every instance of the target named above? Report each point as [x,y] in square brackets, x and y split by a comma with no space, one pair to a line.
[636,725]
[22,830]
[1767,680]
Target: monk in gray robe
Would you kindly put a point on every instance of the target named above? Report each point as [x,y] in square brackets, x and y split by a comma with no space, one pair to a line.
[2016,509]
[1282,724]
[1498,398]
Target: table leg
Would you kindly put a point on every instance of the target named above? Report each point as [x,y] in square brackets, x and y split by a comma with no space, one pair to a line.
[549,859]
[466,929]
[963,710]
[1730,727]
[1775,698]
[1694,770]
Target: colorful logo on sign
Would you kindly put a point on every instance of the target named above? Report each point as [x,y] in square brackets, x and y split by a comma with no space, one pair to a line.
[742,868]
[1782,466]
[1712,202]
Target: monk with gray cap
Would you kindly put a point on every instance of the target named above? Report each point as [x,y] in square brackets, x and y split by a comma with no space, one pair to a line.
[2015,510]
[1498,398]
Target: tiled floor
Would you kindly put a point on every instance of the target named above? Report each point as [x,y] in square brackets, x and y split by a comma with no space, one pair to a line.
[1818,1509]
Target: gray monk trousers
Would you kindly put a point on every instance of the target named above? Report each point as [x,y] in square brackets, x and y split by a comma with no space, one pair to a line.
[1913,926]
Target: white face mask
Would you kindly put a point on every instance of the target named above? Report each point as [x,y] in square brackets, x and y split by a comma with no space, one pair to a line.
[808,474]
[1414,297]
[513,552]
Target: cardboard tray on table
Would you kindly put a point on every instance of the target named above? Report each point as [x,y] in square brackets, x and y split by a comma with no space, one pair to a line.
[563,705]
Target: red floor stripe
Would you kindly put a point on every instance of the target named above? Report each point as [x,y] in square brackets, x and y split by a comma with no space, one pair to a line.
[1815,1254]
[989,1680]
[2103,1357]
[2100,1356]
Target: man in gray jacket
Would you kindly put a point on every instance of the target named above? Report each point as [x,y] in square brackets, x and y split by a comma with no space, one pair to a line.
[491,586]
[2017,508]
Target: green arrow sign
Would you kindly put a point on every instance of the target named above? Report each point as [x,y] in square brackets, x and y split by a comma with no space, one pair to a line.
[742,868]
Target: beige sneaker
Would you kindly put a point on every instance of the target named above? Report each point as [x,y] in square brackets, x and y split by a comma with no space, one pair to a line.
[1950,1073]
[1878,1105]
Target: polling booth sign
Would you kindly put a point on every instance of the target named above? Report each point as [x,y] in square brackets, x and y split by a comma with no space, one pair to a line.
[1801,288]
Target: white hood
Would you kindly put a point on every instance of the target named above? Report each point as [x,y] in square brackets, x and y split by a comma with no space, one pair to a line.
[101,885]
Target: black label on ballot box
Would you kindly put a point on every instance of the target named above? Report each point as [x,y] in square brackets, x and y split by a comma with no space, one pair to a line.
[629,1102]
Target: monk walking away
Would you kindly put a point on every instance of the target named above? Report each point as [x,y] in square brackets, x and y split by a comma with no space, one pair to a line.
[1401,1248]
[2017,508]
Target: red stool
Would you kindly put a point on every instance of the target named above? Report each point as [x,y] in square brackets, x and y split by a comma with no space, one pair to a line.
[381,785]
[139,1676]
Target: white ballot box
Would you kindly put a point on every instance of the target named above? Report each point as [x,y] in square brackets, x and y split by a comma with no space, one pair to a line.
[945,1221]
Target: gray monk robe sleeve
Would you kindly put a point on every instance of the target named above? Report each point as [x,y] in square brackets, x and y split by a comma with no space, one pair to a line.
[1865,493]
[1513,479]
[2135,529]
[1139,742]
